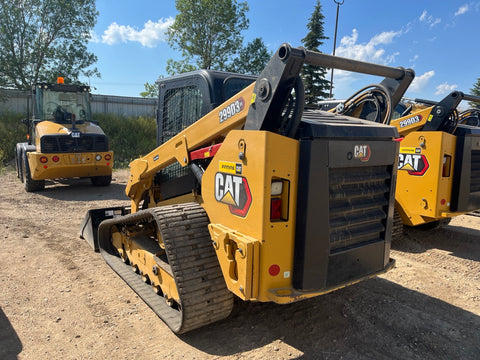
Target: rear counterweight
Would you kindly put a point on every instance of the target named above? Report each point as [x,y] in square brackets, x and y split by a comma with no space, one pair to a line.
[345,190]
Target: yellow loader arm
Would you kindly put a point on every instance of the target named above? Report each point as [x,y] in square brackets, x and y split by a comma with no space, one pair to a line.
[258,107]
[202,133]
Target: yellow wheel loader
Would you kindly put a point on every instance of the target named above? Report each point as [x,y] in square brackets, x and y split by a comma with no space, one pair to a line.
[439,158]
[62,140]
[255,199]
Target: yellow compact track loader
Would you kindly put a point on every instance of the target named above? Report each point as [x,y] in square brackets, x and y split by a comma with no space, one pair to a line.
[255,199]
[439,158]
[439,162]
[63,141]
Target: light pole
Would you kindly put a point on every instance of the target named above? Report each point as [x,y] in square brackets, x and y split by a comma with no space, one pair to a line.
[338,2]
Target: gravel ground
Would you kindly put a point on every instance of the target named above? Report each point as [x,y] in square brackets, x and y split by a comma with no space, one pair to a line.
[59,300]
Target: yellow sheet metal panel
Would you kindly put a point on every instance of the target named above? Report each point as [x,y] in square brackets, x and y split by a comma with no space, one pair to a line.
[236,189]
[50,127]
[425,176]
[69,165]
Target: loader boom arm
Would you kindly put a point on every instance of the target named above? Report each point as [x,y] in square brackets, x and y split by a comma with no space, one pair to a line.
[200,133]
[437,116]
[257,107]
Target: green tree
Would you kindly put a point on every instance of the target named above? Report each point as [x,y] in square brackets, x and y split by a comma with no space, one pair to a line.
[476,91]
[207,32]
[43,39]
[252,59]
[316,85]
[179,66]
[151,90]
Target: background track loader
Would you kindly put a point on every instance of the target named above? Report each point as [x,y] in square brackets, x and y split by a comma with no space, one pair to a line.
[439,157]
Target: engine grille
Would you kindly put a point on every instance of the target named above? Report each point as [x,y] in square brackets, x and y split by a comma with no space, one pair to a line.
[358,205]
[475,171]
[66,143]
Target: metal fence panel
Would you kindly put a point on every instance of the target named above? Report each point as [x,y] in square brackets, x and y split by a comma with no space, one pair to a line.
[16,101]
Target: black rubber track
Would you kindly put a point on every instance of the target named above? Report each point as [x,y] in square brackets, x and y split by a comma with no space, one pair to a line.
[204,297]
[397,225]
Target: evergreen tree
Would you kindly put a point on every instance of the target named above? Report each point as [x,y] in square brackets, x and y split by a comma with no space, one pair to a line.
[476,91]
[316,86]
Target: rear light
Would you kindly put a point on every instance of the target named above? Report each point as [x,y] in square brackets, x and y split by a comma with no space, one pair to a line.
[43,159]
[275,209]
[277,188]
[279,193]
[108,157]
[98,157]
[55,158]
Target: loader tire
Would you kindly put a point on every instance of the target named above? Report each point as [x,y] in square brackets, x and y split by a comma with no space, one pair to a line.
[101,180]
[204,297]
[30,184]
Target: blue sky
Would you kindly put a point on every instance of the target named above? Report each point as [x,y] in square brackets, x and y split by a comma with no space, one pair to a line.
[438,39]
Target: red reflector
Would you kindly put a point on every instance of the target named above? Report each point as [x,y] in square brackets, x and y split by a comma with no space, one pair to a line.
[55,158]
[274,270]
[443,201]
[108,164]
[45,166]
[43,159]
[108,157]
[275,209]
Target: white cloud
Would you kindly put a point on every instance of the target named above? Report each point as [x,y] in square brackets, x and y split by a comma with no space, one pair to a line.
[420,82]
[462,10]
[445,88]
[384,37]
[348,41]
[371,51]
[151,35]
[429,19]
[391,57]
